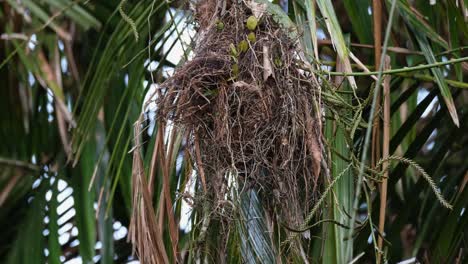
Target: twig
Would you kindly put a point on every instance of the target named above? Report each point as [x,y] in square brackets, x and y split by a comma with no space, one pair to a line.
[418,76]
[367,46]
[428,78]
[400,70]
[375,141]
[19,164]
[385,155]
[5,192]
[357,258]
[11,36]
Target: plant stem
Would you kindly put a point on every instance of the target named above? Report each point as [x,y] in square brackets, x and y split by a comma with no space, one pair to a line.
[367,46]
[385,155]
[349,254]
[375,141]
[19,164]
[422,77]
[400,70]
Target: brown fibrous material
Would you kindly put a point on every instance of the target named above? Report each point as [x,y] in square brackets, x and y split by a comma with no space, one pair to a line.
[259,125]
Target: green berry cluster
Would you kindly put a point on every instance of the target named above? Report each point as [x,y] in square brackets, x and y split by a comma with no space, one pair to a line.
[243,45]
[251,24]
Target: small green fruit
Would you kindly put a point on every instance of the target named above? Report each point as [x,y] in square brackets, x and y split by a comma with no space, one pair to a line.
[251,37]
[243,46]
[252,23]
[233,50]
[219,25]
[235,69]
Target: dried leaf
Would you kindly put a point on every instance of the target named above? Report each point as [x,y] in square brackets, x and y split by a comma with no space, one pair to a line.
[267,68]
[144,233]
[257,8]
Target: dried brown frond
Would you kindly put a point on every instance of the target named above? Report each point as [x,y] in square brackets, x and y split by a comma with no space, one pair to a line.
[144,233]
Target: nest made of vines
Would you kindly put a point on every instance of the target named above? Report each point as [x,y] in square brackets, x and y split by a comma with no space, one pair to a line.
[250,112]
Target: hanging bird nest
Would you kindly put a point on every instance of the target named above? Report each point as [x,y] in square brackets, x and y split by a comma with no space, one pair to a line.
[250,113]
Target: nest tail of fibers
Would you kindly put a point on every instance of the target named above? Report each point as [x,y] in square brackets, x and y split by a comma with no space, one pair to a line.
[248,112]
